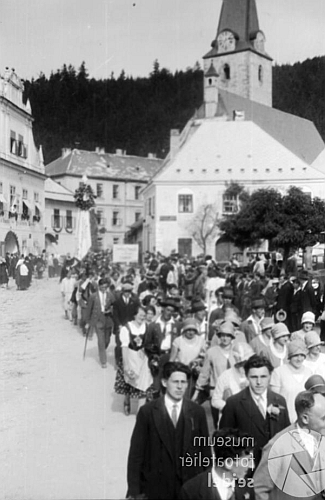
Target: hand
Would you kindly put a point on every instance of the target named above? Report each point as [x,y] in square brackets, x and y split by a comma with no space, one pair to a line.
[130,374]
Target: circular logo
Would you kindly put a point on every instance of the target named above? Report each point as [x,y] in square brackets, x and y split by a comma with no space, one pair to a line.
[296,463]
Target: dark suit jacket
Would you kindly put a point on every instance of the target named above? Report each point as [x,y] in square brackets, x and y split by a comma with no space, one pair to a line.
[242,413]
[122,312]
[153,467]
[94,312]
[308,300]
[284,297]
[201,488]
[155,336]
[265,488]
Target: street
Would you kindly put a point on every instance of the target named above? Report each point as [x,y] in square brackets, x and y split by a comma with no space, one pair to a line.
[63,430]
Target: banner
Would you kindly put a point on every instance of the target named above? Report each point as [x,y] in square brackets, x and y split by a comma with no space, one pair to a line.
[125,253]
[83,234]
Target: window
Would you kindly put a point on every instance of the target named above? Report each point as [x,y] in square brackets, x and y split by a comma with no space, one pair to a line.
[115,191]
[260,74]
[115,241]
[149,206]
[68,219]
[137,216]
[13,143]
[185,203]
[226,71]
[25,194]
[115,219]
[153,206]
[185,246]
[36,197]
[230,204]
[56,222]
[137,192]
[1,187]
[13,200]
[99,190]
[99,217]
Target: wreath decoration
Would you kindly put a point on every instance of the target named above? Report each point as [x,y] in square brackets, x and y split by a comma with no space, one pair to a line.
[85,198]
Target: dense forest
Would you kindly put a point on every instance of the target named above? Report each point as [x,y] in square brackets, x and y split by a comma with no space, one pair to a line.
[136,114]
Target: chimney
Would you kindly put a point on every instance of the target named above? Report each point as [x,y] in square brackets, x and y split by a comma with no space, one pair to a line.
[100,151]
[152,156]
[238,116]
[174,142]
[119,152]
[65,152]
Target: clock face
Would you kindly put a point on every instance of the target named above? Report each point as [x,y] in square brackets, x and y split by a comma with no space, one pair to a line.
[226,41]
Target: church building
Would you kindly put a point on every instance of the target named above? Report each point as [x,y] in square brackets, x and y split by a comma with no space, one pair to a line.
[235,138]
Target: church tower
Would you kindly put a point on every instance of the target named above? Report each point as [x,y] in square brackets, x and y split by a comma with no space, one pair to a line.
[238,54]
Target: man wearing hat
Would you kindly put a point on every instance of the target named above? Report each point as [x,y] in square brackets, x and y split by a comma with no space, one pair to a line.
[308,299]
[124,310]
[299,450]
[315,384]
[148,283]
[256,409]
[98,317]
[285,293]
[219,313]
[198,310]
[251,326]
[159,339]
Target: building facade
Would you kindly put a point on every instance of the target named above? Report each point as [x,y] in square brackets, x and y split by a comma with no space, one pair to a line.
[235,138]
[117,181]
[22,173]
[59,219]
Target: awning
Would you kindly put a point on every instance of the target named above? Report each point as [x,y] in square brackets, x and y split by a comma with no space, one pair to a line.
[2,198]
[28,204]
[37,205]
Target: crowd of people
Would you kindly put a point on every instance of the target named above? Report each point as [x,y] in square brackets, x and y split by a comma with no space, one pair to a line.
[189,332]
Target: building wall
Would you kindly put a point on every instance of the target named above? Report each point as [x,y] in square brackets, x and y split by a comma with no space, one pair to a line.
[243,79]
[66,237]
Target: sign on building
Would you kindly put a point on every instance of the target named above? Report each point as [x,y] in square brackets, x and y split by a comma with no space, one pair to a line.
[126,253]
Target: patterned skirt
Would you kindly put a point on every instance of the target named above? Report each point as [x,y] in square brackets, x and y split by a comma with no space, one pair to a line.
[122,387]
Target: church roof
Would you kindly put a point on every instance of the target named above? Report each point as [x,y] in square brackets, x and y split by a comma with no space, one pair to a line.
[297,134]
[104,166]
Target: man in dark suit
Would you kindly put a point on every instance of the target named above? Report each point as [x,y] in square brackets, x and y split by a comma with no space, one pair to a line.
[285,293]
[124,309]
[98,317]
[308,299]
[227,478]
[303,442]
[256,409]
[160,337]
[167,431]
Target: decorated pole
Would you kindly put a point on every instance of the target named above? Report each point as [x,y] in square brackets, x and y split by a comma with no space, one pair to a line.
[85,233]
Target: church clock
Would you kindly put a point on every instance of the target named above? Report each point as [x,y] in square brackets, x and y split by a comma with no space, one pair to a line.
[226,41]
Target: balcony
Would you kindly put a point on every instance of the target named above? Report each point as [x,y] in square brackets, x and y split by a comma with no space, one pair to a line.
[58,222]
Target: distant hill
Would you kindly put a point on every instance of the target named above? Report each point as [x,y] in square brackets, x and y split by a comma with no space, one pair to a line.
[136,114]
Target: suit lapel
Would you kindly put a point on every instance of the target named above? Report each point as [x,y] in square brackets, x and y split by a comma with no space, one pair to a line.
[188,425]
[160,416]
[252,410]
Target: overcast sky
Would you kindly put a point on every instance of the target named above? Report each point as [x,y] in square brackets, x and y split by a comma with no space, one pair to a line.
[111,35]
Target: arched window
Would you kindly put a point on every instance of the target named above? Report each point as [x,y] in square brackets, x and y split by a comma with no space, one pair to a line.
[210,81]
[226,70]
[260,74]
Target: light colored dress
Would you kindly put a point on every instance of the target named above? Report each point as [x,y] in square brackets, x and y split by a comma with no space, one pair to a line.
[229,383]
[288,382]
[189,349]
[318,366]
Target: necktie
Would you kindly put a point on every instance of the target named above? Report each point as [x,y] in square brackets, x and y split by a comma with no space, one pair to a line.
[174,415]
[260,406]
[230,491]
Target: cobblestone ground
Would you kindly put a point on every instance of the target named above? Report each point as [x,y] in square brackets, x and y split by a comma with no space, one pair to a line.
[63,433]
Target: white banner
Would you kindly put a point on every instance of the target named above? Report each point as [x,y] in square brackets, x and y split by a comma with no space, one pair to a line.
[125,253]
[83,234]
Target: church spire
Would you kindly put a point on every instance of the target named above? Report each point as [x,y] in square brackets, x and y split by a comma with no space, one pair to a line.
[239,16]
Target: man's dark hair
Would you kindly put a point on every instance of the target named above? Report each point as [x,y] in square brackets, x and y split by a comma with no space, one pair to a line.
[103,281]
[304,401]
[175,366]
[257,361]
[231,443]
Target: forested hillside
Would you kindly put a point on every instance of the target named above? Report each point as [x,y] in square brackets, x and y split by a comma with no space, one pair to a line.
[136,114]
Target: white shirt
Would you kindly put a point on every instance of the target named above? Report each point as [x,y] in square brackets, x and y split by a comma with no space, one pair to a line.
[167,342]
[102,297]
[225,488]
[169,403]
[260,399]
[308,441]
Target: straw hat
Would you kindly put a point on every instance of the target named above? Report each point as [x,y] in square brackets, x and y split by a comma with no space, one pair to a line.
[296,347]
[279,330]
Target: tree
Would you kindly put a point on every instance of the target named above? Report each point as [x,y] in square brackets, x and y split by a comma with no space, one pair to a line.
[289,221]
[204,225]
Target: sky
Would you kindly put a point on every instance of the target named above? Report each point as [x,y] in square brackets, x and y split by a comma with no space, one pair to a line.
[111,35]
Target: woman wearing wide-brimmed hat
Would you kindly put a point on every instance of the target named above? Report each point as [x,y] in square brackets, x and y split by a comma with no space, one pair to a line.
[315,359]
[276,351]
[289,379]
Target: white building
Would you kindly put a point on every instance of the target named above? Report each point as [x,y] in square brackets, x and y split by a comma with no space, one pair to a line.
[235,136]
[22,173]
[59,219]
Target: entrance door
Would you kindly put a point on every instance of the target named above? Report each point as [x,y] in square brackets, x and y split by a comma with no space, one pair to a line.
[185,246]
